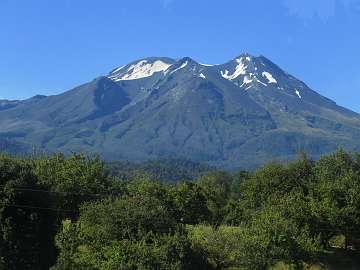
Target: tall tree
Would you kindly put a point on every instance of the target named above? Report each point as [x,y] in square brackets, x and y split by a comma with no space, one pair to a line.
[216,187]
[27,227]
[336,195]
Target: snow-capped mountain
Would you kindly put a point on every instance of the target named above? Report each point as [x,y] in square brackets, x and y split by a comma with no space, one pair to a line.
[238,114]
[141,69]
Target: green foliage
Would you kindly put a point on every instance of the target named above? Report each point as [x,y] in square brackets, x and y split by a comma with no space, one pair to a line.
[268,238]
[190,203]
[67,241]
[74,180]
[271,237]
[336,195]
[165,170]
[216,187]
[125,218]
[25,233]
[161,252]
[36,194]
[276,216]
[273,180]
[220,244]
[132,232]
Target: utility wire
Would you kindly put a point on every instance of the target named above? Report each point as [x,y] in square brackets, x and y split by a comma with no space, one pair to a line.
[62,192]
[41,208]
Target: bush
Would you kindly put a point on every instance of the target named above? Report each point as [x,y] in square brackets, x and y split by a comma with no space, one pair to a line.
[132,232]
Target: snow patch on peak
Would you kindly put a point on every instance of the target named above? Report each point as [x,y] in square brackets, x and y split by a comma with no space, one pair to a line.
[264,84]
[225,73]
[246,80]
[141,69]
[298,93]
[243,59]
[206,65]
[117,69]
[202,76]
[240,69]
[269,77]
[182,66]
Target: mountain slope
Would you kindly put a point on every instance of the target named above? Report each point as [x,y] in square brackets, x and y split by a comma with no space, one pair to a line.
[238,114]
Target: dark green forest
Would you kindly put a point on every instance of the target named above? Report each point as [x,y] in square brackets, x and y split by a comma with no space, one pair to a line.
[78,212]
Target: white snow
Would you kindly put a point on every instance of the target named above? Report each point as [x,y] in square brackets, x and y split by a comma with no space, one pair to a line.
[240,69]
[118,69]
[202,76]
[297,93]
[182,66]
[269,77]
[141,69]
[264,84]
[225,73]
[246,80]
[206,65]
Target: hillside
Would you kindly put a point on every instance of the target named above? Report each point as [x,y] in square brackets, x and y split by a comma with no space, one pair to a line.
[235,115]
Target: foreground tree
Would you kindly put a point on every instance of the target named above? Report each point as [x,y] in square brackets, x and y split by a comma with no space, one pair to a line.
[336,196]
[220,244]
[134,232]
[27,227]
[270,237]
[74,180]
[190,203]
[216,188]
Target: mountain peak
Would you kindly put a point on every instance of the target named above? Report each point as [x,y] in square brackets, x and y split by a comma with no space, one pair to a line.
[245,112]
[247,71]
[187,59]
[141,68]
[244,56]
[240,66]
[185,63]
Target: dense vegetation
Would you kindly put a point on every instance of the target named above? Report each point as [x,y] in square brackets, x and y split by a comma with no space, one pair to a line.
[163,170]
[71,213]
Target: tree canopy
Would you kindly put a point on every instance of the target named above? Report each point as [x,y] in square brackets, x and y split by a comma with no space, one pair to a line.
[71,212]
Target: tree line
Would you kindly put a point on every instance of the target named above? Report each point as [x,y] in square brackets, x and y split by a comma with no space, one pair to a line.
[62,213]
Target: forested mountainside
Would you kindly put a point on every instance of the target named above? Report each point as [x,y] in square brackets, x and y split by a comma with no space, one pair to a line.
[164,170]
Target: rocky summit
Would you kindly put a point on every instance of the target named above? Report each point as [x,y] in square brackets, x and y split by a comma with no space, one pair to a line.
[235,115]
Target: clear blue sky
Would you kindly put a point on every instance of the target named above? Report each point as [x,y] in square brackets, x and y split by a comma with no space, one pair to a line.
[49,46]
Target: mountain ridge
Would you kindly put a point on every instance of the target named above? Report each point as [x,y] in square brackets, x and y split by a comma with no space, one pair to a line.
[238,114]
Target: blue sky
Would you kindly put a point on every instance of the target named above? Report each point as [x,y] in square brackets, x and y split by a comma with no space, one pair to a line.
[47,47]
